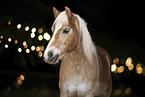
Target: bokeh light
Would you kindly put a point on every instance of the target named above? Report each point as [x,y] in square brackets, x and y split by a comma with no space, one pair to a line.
[27,28]
[27,50]
[32,35]
[113,67]
[6,46]
[46,36]
[33,48]
[40,37]
[40,30]
[33,30]
[116,60]
[19,26]
[19,49]
[139,68]
[9,39]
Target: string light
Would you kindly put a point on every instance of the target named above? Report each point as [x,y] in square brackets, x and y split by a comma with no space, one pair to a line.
[38,48]
[40,54]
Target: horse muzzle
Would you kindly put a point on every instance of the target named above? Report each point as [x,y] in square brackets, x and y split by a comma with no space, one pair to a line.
[51,58]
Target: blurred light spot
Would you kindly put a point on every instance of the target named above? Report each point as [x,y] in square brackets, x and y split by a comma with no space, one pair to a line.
[22,77]
[42,48]
[139,68]
[116,60]
[16,41]
[26,28]
[120,69]
[27,50]
[40,54]
[0,41]
[9,39]
[130,67]
[19,81]
[19,26]
[46,36]
[19,50]
[33,30]
[6,46]
[118,92]
[113,67]
[32,35]
[2,37]
[128,61]
[128,90]
[40,30]
[37,48]
[9,22]
[40,37]
[32,48]
[24,43]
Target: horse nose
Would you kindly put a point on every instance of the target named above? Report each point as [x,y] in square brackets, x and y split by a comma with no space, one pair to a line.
[50,54]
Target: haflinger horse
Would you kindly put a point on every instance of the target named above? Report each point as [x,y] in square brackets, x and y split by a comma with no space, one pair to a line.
[85,69]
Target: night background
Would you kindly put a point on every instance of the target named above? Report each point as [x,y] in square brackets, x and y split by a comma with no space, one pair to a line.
[25,30]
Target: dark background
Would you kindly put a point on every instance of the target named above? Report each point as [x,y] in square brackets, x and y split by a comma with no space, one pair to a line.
[116,25]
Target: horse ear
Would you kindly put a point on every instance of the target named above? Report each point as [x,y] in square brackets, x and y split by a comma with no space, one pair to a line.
[68,12]
[55,12]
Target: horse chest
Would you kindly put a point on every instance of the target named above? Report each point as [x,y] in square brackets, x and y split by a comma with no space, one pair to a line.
[77,84]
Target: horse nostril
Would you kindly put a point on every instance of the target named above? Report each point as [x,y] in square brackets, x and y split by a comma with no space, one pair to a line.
[50,54]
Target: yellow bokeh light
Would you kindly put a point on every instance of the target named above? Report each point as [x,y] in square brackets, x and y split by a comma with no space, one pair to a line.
[22,77]
[42,48]
[9,22]
[32,48]
[9,39]
[139,68]
[2,37]
[113,67]
[16,41]
[24,43]
[33,30]
[40,30]
[116,60]
[128,61]
[32,35]
[46,36]
[40,37]
[120,69]
[26,28]
[130,67]
[40,54]
[19,26]
[27,50]
[19,50]
[38,48]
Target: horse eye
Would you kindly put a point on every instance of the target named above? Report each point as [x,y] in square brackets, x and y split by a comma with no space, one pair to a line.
[66,30]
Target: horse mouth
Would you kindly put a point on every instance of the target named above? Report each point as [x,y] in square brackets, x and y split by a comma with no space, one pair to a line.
[53,60]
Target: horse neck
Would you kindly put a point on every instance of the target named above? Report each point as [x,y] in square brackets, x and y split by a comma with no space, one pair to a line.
[77,56]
